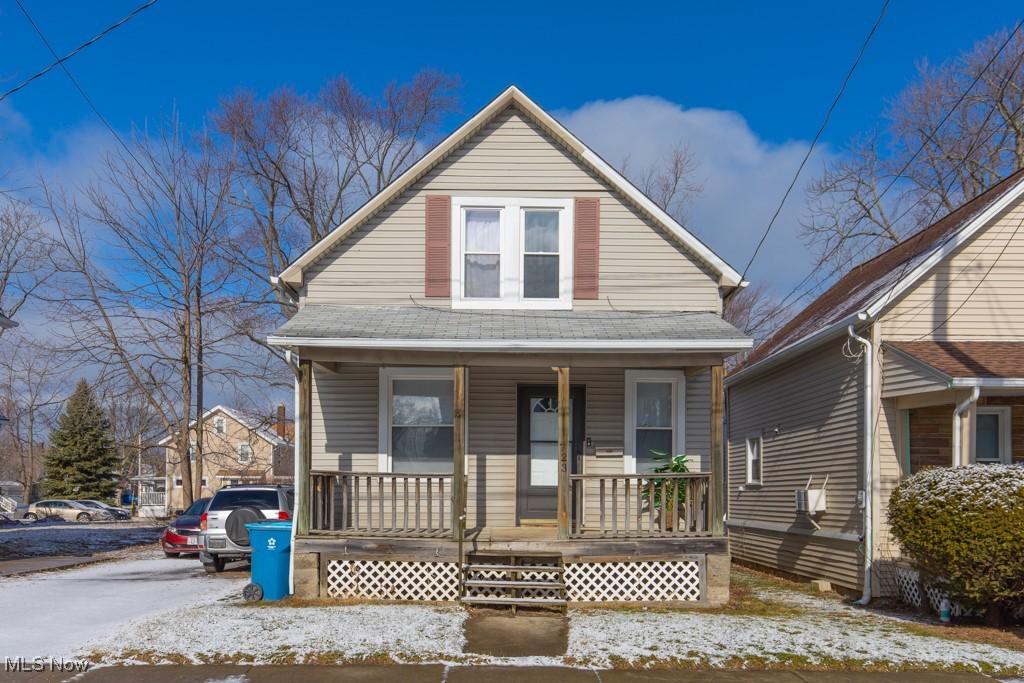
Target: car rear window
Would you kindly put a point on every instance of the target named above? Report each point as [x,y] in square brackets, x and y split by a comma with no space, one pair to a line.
[230,500]
[197,507]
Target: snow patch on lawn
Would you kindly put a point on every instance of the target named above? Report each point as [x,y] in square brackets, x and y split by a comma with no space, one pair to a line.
[224,632]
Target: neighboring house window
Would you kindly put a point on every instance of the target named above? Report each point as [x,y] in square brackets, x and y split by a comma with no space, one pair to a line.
[244,453]
[755,454]
[177,481]
[655,418]
[992,434]
[511,253]
[416,420]
[219,424]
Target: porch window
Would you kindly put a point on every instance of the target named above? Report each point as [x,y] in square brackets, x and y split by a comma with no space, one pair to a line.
[755,445]
[654,418]
[512,253]
[418,418]
[992,434]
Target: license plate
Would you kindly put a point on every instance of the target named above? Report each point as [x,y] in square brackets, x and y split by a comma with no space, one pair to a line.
[191,540]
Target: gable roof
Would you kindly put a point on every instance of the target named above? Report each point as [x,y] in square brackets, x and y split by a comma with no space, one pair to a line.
[967,359]
[255,423]
[867,289]
[512,96]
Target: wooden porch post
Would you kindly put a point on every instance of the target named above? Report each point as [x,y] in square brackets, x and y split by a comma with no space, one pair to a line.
[459,450]
[717,492]
[564,494]
[304,420]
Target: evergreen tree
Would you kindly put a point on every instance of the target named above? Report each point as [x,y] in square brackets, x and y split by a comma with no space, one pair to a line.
[82,461]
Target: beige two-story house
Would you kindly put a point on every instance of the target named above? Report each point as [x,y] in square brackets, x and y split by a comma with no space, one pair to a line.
[913,359]
[492,355]
[239,447]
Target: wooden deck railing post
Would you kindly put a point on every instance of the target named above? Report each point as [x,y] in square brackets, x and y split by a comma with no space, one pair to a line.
[717,493]
[459,450]
[564,494]
[304,461]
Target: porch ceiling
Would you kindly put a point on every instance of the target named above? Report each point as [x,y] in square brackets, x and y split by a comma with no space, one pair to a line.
[422,327]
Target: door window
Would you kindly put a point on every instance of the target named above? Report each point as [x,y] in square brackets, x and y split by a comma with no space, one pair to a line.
[544,440]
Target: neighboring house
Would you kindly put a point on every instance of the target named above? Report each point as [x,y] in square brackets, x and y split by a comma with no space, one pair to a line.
[510,329]
[940,317]
[238,448]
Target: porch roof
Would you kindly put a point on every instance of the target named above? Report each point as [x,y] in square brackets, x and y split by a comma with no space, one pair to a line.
[968,362]
[423,327]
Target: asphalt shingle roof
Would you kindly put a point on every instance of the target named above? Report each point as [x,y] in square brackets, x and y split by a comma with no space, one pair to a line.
[421,323]
[984,359]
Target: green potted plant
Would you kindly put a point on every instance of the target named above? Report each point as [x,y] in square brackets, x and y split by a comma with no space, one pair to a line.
[667,509]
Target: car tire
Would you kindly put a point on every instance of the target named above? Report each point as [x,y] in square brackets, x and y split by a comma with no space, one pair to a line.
[84,517]
[31,515]
[216,566]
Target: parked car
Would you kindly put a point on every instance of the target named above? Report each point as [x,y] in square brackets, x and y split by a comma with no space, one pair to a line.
[183,535]
[71,510]
[116,512]
[231,508]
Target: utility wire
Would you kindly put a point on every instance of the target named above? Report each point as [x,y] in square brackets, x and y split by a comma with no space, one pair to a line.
[817,136]
[60,61]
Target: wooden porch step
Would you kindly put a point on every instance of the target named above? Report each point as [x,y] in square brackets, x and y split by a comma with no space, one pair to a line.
[514,568]
[517,602]
[496,583]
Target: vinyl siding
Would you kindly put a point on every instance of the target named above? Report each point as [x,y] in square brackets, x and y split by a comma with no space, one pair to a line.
[902,376]
[345,433]
[382,261]
[815,402]
[980,289]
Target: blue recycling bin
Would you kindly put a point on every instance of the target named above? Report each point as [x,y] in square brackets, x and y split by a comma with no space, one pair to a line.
[271,544]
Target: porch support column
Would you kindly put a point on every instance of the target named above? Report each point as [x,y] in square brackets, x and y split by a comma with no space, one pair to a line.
[564,493]
[304,459]
[459,451]
[717,492]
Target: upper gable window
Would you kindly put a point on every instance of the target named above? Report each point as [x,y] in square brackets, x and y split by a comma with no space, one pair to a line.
[511,252]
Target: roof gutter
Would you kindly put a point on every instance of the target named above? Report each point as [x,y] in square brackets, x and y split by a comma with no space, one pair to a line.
[868,436]
[561,345]
[796,348]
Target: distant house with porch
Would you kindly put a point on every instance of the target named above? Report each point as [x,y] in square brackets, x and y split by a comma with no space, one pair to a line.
[913,359]
[492,353]
[238,448]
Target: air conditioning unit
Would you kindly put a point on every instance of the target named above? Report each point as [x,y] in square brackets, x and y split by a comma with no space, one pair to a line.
[811,501]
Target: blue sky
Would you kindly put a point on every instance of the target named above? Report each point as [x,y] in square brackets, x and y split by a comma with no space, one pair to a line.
[745,82]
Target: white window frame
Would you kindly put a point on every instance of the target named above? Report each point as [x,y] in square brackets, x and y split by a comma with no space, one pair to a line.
[238,450]
[513,235]
[759,439]
[385,388]
[678,380]
[177,482]
[220,425]
[1005,414]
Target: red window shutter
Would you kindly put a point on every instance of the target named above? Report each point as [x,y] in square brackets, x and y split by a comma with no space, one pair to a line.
[586,247]
[438,239]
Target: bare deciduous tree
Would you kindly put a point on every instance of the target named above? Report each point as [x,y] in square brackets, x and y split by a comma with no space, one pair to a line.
[669,182]
[24,266]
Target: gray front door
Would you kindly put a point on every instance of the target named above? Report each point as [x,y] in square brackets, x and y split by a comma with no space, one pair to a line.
[537,466]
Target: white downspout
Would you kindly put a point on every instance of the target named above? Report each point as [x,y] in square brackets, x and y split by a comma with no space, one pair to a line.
[869,432]
[292,361]
[957,414]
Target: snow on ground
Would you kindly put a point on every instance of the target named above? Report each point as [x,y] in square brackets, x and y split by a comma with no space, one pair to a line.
[824,631]
[42,538]
[57,613]
[226,632]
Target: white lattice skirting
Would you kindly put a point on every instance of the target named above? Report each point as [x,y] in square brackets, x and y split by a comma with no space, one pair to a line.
[584,581]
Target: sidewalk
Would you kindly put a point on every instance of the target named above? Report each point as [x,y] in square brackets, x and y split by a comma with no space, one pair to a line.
[435,673]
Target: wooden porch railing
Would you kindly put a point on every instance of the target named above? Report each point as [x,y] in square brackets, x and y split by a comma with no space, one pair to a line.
[632,505]
[382,503]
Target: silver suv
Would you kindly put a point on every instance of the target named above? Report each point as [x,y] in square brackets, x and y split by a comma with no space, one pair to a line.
[231,508]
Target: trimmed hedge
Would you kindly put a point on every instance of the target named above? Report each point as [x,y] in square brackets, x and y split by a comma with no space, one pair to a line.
[964,529]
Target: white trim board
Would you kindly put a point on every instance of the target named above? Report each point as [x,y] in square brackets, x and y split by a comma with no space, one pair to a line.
[574,345]
[513,96]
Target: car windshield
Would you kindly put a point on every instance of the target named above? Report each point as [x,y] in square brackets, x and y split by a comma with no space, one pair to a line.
[92,503]
[230,500]
[197,507]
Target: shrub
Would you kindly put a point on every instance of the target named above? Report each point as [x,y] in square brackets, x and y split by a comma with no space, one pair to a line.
[964,529]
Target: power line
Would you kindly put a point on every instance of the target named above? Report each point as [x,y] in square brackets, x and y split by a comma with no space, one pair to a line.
[817,136]
[60,61]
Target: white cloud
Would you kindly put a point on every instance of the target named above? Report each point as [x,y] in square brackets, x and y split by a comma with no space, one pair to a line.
[744,177]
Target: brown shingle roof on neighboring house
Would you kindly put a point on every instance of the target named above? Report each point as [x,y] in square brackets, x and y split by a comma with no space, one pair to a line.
[872,279]
[986,359]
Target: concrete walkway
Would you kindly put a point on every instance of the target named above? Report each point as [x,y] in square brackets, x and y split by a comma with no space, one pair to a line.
[434,673]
